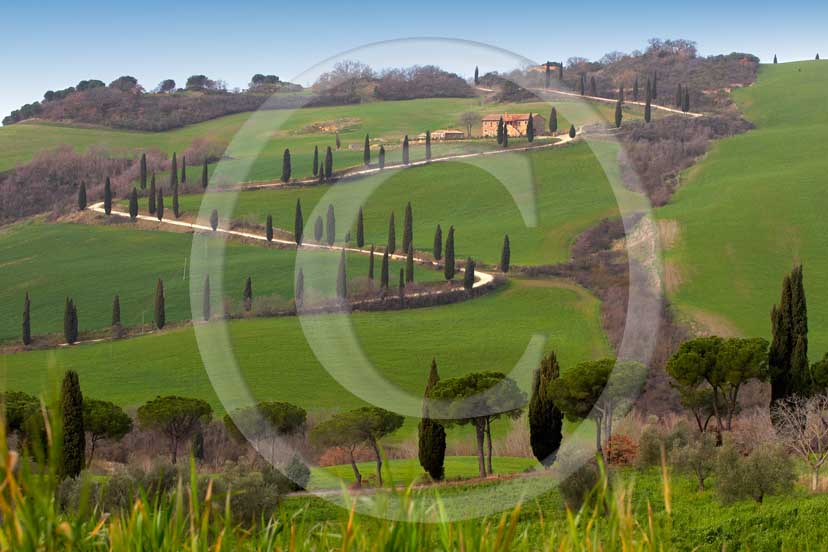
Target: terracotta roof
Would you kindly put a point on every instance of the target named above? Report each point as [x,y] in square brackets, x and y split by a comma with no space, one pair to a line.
[508,118]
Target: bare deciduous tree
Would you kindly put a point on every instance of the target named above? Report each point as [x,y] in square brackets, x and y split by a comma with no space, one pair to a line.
[802,424]
[469,119]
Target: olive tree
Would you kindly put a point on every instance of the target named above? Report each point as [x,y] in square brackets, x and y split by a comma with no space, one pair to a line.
[177,418]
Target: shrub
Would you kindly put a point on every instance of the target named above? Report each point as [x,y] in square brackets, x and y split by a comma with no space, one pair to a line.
[768,470]
[295,476]
[655,437]
[577,487]
[621,450]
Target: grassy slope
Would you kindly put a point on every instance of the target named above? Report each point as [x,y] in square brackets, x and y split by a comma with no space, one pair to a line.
[92,263]
[280,129]
[755,206]
[277,362]
[480,199]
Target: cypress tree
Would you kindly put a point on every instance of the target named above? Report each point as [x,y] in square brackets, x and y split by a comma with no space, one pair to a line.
[505,254]
[788,353]
[176,207]
[366,152]
[817,57]
[328,163]
[174,172]
[75,332]
[133,204]
[299,290]
[553,121]
[151,196]
[619,114]
[391,246]
[27,321]
[107,197]
[298,223]
[269,229]
[476,75]
[247,294]
[505,136]
[635,89]
[545,419]
[428,146]
[530,129]
[408,228]
[116,311]
[286,166]
[448,265]
[82,197]
[500,131]
[143,177]
[774,59]
[360,229]
[331,226]
[431,434]
[197,447]
[401,288]
[342,278]
[679,95]
[321,178]
[315,160]
[159,313]
[204,177]
[159,204]
[648,110]
[338,143]
[318,227]
[206,307]
[572,131]
[382,157]
[409,264]
[654,94]
[438,243]
[593,87]
[405,155]
[214,220]
[183,169]
[686,105]
[73,452]
[468,274]
[371,264]
[560,74]
[384,270]
[69,325]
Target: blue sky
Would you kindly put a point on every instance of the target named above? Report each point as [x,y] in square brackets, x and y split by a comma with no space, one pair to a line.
[51,45]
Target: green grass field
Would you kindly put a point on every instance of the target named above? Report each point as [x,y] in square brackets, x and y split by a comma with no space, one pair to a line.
[91,263]
[484,199]
[755,207]
[265,135]
[407,471]
[488,333]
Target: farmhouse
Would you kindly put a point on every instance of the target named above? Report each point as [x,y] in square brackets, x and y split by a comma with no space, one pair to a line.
[515,123]
[444,134]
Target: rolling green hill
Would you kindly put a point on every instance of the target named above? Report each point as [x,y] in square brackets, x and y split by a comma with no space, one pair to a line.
[91,263]
[756,206]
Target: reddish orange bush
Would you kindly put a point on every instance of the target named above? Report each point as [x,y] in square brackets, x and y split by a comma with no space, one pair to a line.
[621,450]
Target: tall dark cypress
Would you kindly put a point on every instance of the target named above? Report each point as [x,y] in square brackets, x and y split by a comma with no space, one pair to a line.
[247,294]
[530,129]
[448,265]
[405,153]
[107,197]
[468,274]
[788,353]
[174,172]
[73,452]
[159,204]
[619,114]
[476,75]
[328,163]
[299,289]
[159,313]
[545,419]
[342,278]
[384,270]
[366,152]
[331,225]
[431,434]
[371,263]
[116,311]
[360,229]
[505,143]
[206,307]
[775,61]
[269,229]
[572,131]
[401,288]
[428,146]
[686,105]
[204,176]
[409,264]
[214,219]
[69,321]
[133,204]
[654,94]
[408,228]
[286,166]
[183,169]
[318,229]
[315,160]
[298,223]
[679,95]
[175,205]
[553,121]
[648,110]
[381,160]
[143,169]
[505,254]
[500,132]
[82,197]
[151,196]
[391,246]
[27,321]
[437,249]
